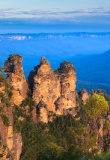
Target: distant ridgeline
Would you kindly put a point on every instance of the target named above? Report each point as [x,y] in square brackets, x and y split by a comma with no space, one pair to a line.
[83,49]
[44,117]
[93,71]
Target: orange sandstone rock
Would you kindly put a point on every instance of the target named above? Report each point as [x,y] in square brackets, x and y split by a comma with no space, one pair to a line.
[16,78]
[55,88]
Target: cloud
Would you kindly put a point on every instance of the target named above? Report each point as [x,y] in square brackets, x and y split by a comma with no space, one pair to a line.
[90,15]
[15,13]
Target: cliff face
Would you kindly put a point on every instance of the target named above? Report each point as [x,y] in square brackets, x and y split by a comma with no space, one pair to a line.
[53,91]
[67,98]
[13,90]
[46,85]
[11,143]
[16,79]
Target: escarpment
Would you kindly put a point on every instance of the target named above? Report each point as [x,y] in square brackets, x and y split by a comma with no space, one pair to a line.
[52,91]
[10,142]
[51,94]
[13,89]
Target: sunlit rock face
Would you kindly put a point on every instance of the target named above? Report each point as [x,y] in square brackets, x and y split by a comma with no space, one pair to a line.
[11,142]
[67,97]
[46,85]
[55,88]
[46,88]
[16,78]
[19,88]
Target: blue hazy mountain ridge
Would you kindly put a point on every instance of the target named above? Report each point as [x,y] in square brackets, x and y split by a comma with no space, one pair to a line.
[93,71]
[81,48]
[95,67]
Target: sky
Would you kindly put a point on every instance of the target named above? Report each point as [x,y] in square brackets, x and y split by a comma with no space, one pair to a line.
[54,15]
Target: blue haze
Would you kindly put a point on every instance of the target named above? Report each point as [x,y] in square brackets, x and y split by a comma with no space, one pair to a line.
[56,47]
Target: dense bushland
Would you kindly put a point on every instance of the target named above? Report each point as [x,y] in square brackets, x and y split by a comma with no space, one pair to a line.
[68,137]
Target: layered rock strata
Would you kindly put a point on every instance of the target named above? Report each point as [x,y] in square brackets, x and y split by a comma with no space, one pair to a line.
[67,99]
[53,91]
[16,78]
[13,89]
[11,142]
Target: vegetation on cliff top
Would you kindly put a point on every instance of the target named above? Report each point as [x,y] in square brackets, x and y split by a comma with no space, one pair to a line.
[67,137]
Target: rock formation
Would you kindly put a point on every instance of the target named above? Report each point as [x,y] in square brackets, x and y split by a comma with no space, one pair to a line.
[11,143]
[16,78]
[54,93]
[84,95]
[46,85]
[67,97]
[53,89]
[100,92]
[13,90]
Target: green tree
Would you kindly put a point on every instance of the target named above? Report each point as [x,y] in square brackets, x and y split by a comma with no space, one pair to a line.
[90,115]
[95,107]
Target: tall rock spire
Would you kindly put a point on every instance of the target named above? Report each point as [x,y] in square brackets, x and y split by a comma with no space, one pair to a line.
[67,97]
[16,78]
[55,89]
[46,87]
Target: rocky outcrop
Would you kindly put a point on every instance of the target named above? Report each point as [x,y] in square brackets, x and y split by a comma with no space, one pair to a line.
[9,149]
[54,93]
[67,98]
[46,88]
[84,95]
[55,89]
[16,78]
[13,90]
[11,141]
[46,85]
[100,92]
